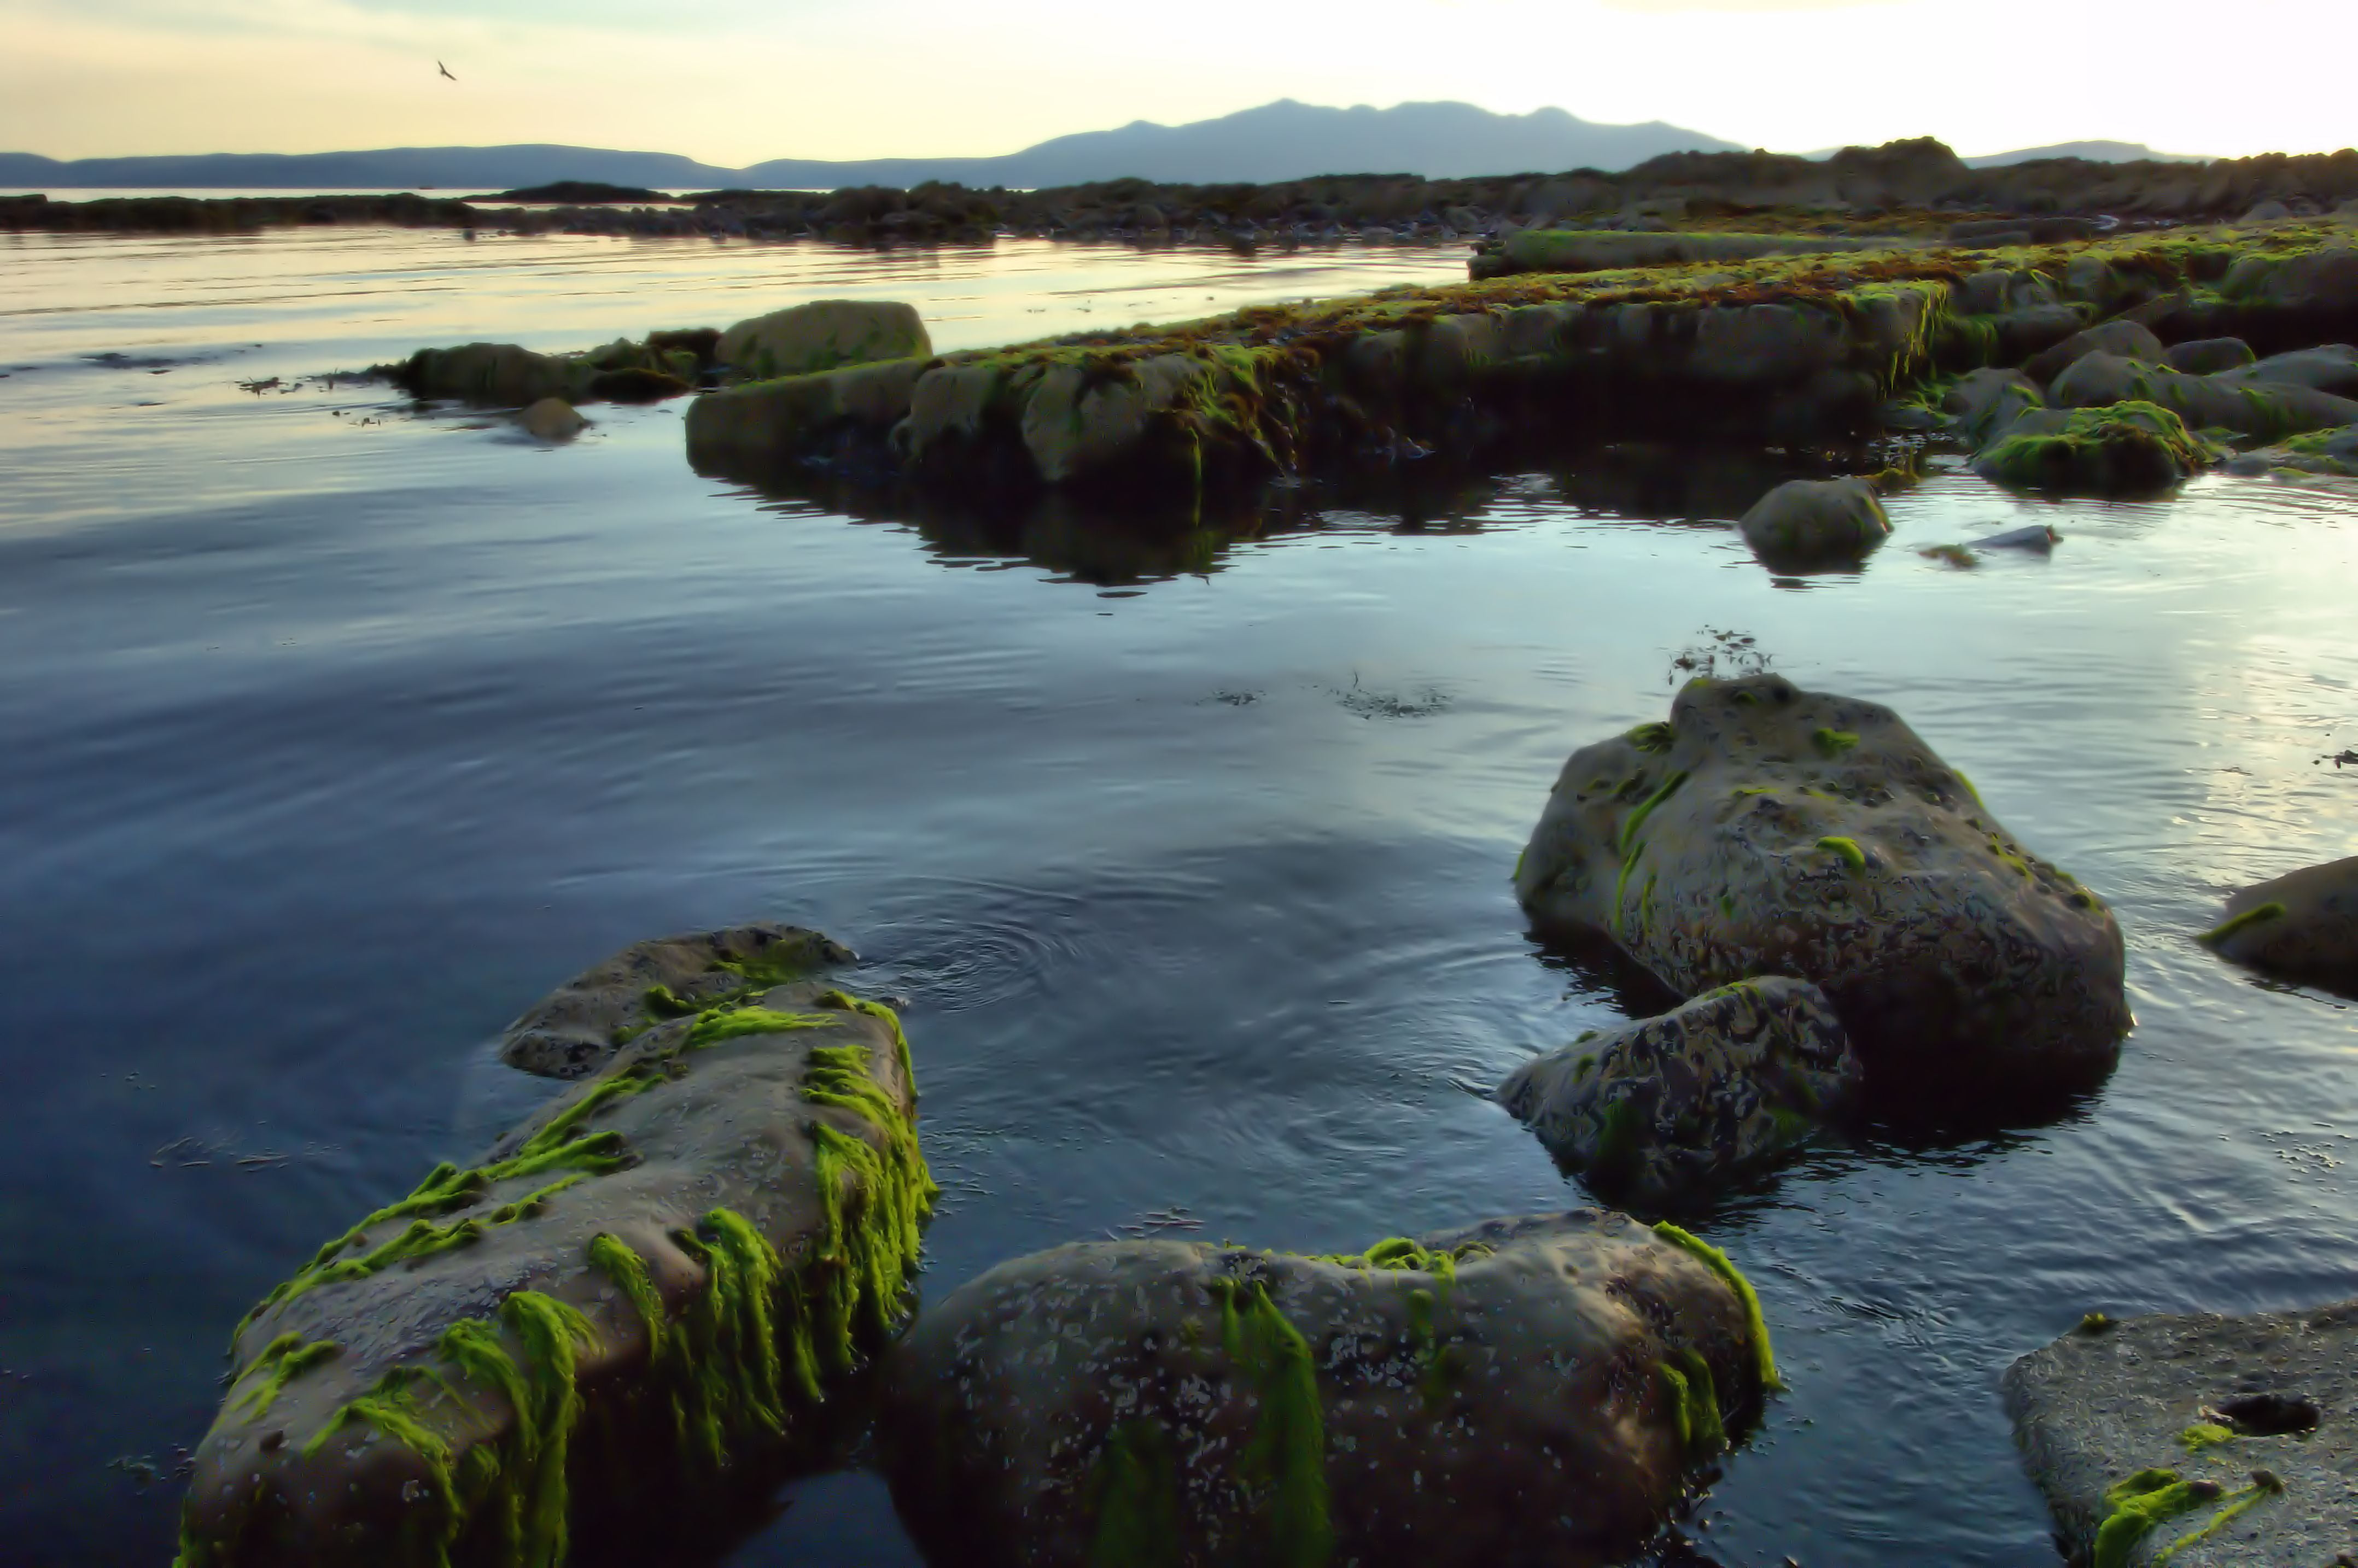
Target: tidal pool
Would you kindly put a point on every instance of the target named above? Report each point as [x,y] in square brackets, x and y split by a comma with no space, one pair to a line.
[337,735]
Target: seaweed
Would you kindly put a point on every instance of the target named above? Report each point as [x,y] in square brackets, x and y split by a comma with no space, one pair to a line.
[2259,914]
[1756,1325]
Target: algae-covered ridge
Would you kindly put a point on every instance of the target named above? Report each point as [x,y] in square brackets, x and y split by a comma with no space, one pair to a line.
[732,1366]
[2142,1503]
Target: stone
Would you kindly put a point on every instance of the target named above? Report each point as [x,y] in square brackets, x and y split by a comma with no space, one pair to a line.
[2217,1442]
[2331,368]
[642,1293]
[2333,452]
[2267,211]
[1659,1110]
[1816,520]
[500,376]
[2126,450]
[799,416]
[1767,830]
[1522,1391]
[2208,356]
[2233,401]
[579,1027]
[826,334]
[2302,927]
[1983,402]
[2038,537]
[552,419]
[2122,338]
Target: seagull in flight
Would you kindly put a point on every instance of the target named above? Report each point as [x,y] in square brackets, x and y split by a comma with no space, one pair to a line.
[444,70]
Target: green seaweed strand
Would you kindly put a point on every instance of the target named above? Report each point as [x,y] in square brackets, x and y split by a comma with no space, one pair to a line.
[1288,1451]
[1848,850]
[2140,1503]
[1134,1493]
[284,1359]
[2263,1486]
[2234,925]
[1646,808]
[1833,743]
[1755,1325]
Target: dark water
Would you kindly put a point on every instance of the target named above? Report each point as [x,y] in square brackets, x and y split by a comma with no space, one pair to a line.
[332,744]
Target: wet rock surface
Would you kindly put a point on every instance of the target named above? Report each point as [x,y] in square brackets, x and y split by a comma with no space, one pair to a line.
[1522,1391]
[1813,521]
[1767,830]
[1664,1109]
[823,335]
[2211,1441]
[646,1289]
[583,1024]
[2124,450]
[2302,927]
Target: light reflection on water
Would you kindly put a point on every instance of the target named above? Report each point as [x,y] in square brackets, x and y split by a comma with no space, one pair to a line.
[334,742]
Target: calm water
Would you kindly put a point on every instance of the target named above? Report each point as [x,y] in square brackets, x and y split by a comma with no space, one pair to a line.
[335,736]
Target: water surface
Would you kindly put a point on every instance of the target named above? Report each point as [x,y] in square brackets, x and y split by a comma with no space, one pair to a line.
[337,735]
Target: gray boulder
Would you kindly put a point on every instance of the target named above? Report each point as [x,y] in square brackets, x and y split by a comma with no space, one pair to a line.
[2123,339]
[1767,830]
[1983,402]
[1661,1109]
[2331,367]
[552,419]
[795,416]
[2332,452]
[2210,1442]
[580,1026]
[644,1291]
[1523,1391]
[2303,926]
[826,334]
[2233,401]
[1816,520]
[2208,356]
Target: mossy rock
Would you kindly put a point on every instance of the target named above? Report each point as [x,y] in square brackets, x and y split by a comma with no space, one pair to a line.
[2121,338]
[2208,356]
[2128,449]
[2234,400]
[643,1294]
[1983,402]
[580,1026]
[2302,927]
[823,335]
[1814,522]
[796,416]
[2333,452]
[1524,1391]
[1767,830]
[1609,250]
[2330,367]
[1661,1111]
[494,375]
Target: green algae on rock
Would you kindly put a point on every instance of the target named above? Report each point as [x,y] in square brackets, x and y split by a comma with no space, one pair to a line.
[1665,1109]
[2302,927]
[579,1027]
[643,1293]
[2124,450]
[1956,960]
[1494,1393]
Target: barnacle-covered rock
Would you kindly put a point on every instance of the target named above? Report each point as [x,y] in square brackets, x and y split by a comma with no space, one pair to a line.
[1523,1391]
[647,1288]
[2303,926]
[1661,1109]
[1767,830]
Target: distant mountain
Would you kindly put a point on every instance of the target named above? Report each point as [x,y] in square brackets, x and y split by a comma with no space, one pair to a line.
[2095,152]
[1285,140]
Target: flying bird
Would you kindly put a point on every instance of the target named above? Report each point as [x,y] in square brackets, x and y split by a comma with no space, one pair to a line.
[444,70]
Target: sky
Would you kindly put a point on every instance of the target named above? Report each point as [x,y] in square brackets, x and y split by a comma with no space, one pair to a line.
[735,82]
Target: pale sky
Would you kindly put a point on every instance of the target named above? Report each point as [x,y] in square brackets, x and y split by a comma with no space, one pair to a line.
[734,81]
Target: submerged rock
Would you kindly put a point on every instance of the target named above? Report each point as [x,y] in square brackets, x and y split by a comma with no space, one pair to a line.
[1523,1391]
[580,1026]
[2124,450]
[1664,1108]
[1767,830]
[1812,520]
[552,419]
[2303,926]
[2216,1442]
[826,334]
[644,1291]
[502,375]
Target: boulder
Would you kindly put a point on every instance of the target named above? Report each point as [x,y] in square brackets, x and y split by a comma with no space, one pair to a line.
[579,1027]
[2302,927]
[2123,339]
[2330,368]
[2126,450]
[1607,250]
[499,375]
[1523,1391]
[1816,520]
[2332,452]
[2232,401]
[1664,1110]
[1767,830]
[642,1293]
[2210,1442]
[2208,356]
[552,419]
[825,334]
[798,415]
[1987,401]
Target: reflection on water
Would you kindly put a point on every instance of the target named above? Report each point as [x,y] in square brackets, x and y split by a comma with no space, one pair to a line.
[338,736]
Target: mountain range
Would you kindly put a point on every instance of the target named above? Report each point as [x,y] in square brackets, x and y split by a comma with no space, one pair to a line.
[1280,141]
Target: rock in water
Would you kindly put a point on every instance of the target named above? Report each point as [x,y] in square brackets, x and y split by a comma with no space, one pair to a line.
[644,1291]
[2127,449]
[552,419]
[2303,926]
[1807,520]
[1523,1391]
[826,334]
[1664,1108]
[2219,1442]
[501,375]
[1767,830]
[579,1027]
